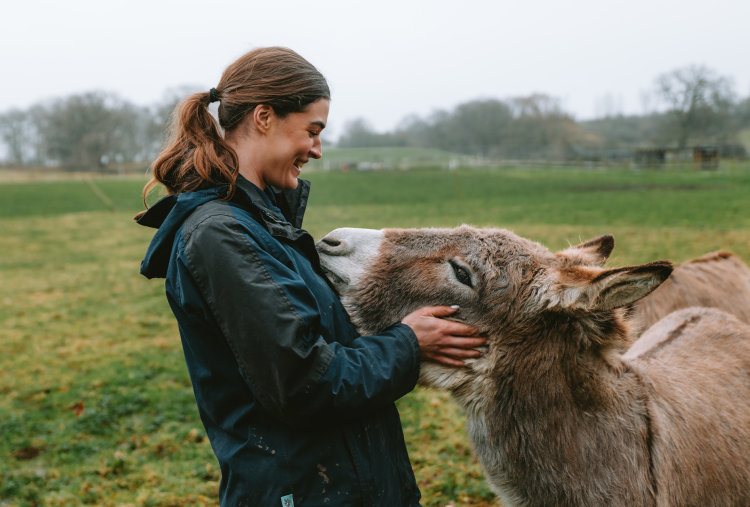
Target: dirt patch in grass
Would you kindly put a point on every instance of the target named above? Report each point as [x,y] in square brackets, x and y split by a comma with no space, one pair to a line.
[27,453]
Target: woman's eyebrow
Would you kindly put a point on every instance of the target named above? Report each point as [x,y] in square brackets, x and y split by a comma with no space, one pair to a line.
[318,124]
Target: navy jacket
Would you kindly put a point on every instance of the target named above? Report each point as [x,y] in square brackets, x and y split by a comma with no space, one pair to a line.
[293,400]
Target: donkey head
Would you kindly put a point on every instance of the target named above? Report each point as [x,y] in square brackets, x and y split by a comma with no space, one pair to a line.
[509,288]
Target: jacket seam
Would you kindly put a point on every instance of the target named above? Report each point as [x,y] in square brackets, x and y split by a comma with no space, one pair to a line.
[264,272]
[268,277]
[260,230]
[360,467]
[219,212]
[211,305]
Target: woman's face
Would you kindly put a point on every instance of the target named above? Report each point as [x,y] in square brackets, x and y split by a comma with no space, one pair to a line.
[290,142]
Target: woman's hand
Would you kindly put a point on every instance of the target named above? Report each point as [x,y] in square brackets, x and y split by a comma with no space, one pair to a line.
[440,340]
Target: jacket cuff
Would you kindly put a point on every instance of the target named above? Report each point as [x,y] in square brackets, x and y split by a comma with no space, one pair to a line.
[321,365]
[410,338]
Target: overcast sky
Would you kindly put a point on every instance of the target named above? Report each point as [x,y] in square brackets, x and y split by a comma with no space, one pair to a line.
[383,59]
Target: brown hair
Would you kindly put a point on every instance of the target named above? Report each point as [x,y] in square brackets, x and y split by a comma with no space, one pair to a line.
[196,155]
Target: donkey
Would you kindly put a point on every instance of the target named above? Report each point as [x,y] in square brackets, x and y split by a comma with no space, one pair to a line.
[716,280]
[559,411]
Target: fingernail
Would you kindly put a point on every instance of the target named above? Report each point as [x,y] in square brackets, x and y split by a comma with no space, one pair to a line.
[455,307]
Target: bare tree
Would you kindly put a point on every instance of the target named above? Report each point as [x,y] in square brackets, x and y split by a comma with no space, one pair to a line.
[477,127]
[87,131]
[742,113]
[534,126]
[90,130]
[358,133]
[16,132]
[164,109]
[608,106]
[540,128]
[698,100]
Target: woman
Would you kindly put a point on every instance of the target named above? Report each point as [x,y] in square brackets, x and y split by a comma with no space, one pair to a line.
[298,407]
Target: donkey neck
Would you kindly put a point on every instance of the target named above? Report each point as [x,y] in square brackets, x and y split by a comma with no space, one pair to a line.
[564,361]
[561,396]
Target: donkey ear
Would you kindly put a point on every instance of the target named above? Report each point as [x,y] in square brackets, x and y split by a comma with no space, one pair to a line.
[593,252]
[592,289]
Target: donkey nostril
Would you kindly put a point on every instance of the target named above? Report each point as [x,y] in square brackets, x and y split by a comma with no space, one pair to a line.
[331,242]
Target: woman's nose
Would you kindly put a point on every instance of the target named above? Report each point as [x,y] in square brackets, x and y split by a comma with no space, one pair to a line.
[317,149]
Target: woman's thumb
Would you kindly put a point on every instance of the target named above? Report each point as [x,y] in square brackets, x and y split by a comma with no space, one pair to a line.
[441,311]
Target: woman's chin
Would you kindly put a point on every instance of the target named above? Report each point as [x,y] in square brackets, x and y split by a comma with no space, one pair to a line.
[289,183]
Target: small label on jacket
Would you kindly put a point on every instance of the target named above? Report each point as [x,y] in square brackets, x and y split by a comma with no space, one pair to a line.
[287,501]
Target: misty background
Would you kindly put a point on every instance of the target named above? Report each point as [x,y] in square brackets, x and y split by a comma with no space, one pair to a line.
[88,85]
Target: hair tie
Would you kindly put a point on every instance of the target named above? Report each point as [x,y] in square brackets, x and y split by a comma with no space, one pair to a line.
[213,96]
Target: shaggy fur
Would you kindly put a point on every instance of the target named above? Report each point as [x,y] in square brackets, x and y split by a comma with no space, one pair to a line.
[557,415]
[716,280]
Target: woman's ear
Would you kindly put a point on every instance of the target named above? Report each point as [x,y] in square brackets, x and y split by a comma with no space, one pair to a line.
[262,117]
[596,290]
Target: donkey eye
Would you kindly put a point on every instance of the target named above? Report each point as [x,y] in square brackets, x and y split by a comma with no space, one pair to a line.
[462,274]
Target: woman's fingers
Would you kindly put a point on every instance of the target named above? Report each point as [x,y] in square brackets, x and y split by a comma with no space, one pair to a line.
[445,360]
[449,327]
[458,329]
[458,353]
[443,341]
[463,342]
[438,311]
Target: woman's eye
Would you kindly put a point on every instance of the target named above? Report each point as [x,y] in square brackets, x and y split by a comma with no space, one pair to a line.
[462,275]
[313,133]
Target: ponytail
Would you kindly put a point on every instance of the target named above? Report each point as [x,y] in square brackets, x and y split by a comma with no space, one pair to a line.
[196,156]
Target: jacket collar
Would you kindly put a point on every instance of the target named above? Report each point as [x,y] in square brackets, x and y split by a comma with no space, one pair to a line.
[169,213]
[292,203]
[288,224]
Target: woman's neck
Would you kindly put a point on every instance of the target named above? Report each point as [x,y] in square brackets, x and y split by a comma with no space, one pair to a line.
[247,158]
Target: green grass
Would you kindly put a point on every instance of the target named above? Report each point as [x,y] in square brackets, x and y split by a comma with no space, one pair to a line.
[95,402]
[665,199]
[56,197]
[390,157]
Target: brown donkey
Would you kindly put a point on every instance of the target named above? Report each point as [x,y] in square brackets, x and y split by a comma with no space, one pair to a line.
[559,414]
[716,280]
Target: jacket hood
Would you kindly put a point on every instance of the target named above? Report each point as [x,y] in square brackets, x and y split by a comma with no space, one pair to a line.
[170,213]
[167,216]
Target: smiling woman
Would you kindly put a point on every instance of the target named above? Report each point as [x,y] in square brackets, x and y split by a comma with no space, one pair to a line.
[271,150]
[299,408]
[257,93]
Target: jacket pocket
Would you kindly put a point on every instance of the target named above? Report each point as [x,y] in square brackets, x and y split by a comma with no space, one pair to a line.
[410,494]
[361,466]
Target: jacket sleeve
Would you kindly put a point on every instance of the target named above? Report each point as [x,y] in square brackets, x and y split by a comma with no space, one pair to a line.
[270,320]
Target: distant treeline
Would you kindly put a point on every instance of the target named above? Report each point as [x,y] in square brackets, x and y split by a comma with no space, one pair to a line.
[527,127]
[692,106]
[89,131]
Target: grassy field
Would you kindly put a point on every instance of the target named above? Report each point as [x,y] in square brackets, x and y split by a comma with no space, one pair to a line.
[95,403]
[393,158]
